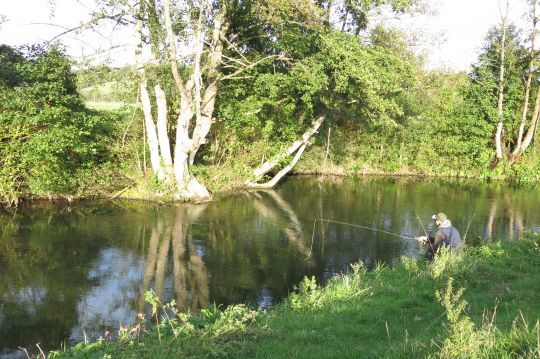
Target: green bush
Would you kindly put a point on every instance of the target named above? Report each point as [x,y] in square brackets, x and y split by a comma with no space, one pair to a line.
[47,136]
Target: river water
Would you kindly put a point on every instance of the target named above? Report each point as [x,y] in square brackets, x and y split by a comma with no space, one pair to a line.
[67,270]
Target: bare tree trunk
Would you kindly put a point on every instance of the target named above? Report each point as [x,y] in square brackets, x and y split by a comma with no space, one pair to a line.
[197,73]
[517,149]
[269,165]
[281,173]
[183,145]
[187,185]
[172,48]
[153,144]
[534,123]
[205,120]
[500,113]
[163,136]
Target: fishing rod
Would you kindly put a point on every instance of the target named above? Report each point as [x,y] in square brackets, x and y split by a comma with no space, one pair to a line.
[364,227]
[353,225]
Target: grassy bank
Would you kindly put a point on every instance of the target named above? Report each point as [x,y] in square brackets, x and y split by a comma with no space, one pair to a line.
[479,303]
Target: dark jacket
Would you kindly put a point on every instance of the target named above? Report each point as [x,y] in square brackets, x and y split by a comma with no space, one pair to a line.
[446,235]
[451,237]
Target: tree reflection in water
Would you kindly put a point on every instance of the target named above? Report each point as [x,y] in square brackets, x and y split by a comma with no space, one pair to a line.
[508,222]
[190,277]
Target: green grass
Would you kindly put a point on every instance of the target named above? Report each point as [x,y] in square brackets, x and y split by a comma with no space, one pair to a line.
[479,303]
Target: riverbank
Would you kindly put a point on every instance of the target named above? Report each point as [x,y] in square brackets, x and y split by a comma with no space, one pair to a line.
[119,182]
[480,303]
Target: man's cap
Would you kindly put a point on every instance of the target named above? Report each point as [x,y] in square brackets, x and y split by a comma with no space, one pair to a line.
[441,217]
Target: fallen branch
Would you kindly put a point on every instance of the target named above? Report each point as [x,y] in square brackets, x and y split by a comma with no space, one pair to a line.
[270,164]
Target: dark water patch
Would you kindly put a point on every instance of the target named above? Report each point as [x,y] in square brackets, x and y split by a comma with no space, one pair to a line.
[70,269]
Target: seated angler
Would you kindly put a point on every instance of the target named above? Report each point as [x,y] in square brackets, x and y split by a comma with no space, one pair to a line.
[446,235]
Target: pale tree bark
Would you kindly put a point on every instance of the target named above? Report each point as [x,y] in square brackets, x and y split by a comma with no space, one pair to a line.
[197,73]
[171,43]
[298,147]
[534,123]
[205,120]
[500,112]
[150,127]
[163,136]
[183,145]
[278,176]
[193,99]
[269,165]
[518,149]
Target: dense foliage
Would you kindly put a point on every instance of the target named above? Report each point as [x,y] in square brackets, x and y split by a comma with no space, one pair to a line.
[49,141]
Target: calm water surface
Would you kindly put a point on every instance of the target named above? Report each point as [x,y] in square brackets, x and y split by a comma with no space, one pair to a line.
[66,270]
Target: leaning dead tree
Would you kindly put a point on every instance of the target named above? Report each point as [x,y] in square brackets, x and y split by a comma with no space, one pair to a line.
[296,149]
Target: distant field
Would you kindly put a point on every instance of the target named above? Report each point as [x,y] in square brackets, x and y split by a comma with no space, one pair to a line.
[106,105]
[106,96]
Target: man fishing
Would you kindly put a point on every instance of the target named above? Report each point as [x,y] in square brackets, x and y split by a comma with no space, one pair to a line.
[446,235]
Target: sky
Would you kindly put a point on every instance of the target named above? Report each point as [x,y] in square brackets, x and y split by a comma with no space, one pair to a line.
[454,34]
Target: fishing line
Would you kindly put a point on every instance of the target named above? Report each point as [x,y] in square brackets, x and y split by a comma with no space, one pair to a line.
[353,225]
[364,227]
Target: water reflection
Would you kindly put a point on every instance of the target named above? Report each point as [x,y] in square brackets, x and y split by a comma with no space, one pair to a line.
[275,209]
[506,217]
[70,270]
[190,277]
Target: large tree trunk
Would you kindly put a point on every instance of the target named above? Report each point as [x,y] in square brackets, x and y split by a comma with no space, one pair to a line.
[205,120]
[187,185]
[151,135]
[183,145]
[193,101]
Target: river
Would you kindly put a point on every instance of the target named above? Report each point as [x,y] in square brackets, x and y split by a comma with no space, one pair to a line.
[73,269]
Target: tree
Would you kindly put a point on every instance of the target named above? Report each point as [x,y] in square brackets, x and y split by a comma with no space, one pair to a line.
[196,97]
